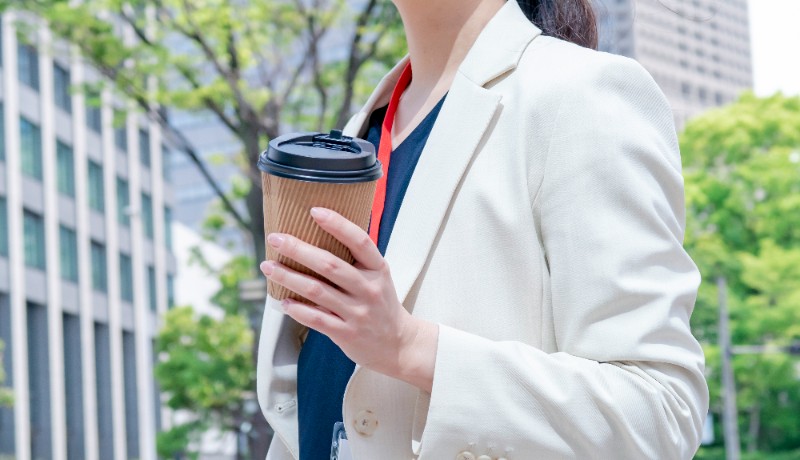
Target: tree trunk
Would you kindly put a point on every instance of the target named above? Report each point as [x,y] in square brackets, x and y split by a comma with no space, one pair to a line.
[260,437]
[754,429]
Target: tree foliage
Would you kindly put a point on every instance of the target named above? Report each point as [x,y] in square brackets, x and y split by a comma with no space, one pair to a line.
[205,366]
[742,177]
[258,67]
[206,363]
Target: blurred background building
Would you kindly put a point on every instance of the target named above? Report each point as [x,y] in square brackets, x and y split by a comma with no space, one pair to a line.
[219,148]
[85,259]
[698,51]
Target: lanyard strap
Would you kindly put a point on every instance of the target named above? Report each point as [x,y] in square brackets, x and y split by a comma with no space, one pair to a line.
[385,152]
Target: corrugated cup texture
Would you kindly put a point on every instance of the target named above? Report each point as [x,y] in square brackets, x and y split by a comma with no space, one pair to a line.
[287,203]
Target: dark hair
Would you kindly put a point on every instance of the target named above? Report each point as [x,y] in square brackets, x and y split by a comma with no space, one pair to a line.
[571,20]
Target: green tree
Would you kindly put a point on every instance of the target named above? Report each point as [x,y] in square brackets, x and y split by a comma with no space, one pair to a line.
[6,397]
[206,363]
[742,176]
[206,367]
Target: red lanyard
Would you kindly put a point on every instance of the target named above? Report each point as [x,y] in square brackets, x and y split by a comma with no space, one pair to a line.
[385,152]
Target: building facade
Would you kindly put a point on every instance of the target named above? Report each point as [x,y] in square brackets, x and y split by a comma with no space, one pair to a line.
[85,259]
[194,196]
[698,51]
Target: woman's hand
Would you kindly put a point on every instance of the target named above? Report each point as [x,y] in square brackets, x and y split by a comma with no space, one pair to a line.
[362,314]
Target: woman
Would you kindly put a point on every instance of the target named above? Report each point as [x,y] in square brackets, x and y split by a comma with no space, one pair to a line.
[534,298]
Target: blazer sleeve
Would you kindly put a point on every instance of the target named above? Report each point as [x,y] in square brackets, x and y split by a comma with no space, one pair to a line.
[627,379]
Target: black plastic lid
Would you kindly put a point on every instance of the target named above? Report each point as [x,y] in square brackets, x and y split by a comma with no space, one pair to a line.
[317,157]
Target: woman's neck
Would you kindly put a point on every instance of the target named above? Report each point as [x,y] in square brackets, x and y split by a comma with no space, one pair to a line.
[440,33]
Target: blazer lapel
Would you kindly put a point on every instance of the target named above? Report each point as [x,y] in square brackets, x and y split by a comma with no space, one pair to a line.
[465,116]
[462,122]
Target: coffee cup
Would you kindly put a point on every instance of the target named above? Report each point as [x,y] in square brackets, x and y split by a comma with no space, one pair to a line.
[300,171]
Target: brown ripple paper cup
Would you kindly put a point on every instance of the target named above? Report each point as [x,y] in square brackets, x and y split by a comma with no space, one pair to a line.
[306,170]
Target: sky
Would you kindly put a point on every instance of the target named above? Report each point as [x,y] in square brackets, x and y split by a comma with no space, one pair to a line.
[775,37]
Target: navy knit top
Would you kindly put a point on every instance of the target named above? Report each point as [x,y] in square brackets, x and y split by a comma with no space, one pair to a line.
[323,370]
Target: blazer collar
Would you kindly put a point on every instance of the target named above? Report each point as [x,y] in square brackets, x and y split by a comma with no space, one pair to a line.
[500,45]
[465,117]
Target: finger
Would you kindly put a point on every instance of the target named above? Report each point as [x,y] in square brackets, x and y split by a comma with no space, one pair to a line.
[309,287]
[313,317]
[319,260]
[351,235]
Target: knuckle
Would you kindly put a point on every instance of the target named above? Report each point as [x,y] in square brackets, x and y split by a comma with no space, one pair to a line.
[373,293]
[290,246]
[316,321]
[383,268]
[330,267]
[361,315]
[364,242]
[314,290]
[278,274]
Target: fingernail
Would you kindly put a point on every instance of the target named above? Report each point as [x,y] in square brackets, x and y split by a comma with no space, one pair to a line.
[285,304]
[319,213]
[275,240]
[267,267]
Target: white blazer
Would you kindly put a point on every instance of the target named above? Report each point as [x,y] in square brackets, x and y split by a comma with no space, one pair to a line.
[542,230]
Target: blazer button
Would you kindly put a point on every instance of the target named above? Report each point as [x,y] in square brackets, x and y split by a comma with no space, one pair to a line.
[365,423]
[466,455]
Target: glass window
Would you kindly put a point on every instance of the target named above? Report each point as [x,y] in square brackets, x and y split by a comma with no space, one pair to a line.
[7,426]
[125,277]
[93,113]
[131,394]
[99,281]
[120,131]
[147,215]
[73,386]
[144,147]
[168,227]
[68,242]
[39,381]
[3,227]
[170,291]
[61,83]
[28,65]
[166,167]
[123,202]
[30,148]
[157,403]
[102,372]
[96,195]
[34,240]
[151,286]
[66,169]
[2,132]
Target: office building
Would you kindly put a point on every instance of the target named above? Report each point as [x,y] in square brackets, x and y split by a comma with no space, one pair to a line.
[85,259]
[194,197]
[698,51]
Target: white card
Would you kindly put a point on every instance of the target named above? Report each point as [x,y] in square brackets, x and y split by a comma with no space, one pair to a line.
[343,452]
